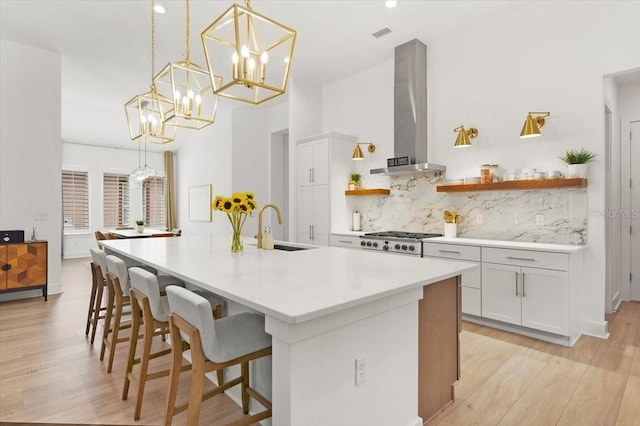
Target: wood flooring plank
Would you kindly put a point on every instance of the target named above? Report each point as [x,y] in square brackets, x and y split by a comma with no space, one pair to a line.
[629,414]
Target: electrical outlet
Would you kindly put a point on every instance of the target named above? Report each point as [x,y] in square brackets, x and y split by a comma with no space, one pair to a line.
[40,217]
[361,370]
[479,219]
[540,220]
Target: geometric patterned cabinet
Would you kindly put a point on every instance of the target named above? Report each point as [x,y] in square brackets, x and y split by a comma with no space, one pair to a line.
[23,266]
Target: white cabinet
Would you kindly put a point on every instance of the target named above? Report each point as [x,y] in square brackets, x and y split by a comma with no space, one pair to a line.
[345,241]
[323,167]
[471,280]
[535,297]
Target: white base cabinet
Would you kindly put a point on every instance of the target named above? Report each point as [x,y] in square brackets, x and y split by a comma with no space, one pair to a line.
[345,241]
[520,289]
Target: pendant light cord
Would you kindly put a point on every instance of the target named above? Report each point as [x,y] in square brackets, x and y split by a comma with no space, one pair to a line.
[187,50]
[153,43]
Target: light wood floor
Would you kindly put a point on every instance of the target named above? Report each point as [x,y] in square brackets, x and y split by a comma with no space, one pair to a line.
[50,373]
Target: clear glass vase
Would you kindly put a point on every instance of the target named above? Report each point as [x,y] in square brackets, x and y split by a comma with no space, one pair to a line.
[236,242]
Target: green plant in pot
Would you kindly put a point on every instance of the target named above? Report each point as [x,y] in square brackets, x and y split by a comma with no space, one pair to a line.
[140,224]
[355,180]
[577,161]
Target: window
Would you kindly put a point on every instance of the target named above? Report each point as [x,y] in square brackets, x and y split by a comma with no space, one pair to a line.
[154,202]
[116,200]
[75,200]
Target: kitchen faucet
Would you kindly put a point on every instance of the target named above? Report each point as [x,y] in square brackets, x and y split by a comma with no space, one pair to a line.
[260,221]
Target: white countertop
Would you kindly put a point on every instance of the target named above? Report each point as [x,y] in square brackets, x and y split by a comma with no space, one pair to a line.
[560,248]
[291,286]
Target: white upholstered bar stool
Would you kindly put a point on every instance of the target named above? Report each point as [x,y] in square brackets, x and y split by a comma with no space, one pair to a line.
[96,311]
[149,307]
[215,345]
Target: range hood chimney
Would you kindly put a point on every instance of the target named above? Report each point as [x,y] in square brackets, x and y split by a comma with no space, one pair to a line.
[410,111]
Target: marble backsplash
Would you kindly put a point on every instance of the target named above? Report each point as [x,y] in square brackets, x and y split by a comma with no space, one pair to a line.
[415,206]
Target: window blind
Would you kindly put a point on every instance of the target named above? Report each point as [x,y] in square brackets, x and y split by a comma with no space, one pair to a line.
[115,200]
[154,202]
[75,200]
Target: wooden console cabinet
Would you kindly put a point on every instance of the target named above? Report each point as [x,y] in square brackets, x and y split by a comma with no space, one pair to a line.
[23,266]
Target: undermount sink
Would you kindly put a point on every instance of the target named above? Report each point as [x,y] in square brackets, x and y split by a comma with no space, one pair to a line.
[288,248]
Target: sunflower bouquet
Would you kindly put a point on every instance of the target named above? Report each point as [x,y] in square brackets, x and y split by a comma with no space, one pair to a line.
[237,207]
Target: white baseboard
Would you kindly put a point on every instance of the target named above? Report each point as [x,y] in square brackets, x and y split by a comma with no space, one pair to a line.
[598,329]
[416,422]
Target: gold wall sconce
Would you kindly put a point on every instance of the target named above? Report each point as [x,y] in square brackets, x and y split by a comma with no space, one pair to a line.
[532,125]
[357,153]
[464,136]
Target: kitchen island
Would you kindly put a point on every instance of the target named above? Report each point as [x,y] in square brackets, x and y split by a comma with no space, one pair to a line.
[325,308]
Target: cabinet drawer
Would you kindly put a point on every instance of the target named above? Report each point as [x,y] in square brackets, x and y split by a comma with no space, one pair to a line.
[534,259]
[471,278]
[471,301]
[451,251]
[345,241]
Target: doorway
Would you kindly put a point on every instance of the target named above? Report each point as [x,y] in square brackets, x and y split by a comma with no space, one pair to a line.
[634,226]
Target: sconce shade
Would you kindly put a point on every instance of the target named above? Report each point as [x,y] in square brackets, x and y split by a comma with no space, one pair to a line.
[357,153]
[463,140]
[250,52]
[532,125]
[146,120]
[189,88]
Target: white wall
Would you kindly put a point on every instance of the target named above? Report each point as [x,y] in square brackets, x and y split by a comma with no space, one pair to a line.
[30,150]
[98,160]
[490,76]
[204,158]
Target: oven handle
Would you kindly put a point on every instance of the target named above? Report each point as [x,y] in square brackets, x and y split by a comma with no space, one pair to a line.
[449,251]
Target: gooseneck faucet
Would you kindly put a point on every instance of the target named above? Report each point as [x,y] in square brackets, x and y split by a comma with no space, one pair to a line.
[260,221]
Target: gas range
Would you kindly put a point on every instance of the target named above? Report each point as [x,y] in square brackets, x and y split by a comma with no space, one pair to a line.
[409,243]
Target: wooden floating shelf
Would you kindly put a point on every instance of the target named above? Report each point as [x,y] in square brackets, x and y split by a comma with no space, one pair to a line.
[515,185]
[363,192]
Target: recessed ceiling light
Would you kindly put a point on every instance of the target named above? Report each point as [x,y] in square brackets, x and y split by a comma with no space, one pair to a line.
[391,3]
[158,8]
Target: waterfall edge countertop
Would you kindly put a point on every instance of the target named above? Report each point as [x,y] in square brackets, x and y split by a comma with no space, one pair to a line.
[292,286]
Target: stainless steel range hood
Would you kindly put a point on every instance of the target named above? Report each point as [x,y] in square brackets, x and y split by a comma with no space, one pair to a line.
[410,111]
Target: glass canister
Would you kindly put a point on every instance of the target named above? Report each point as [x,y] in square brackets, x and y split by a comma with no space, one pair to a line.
[485,173]
[496,173]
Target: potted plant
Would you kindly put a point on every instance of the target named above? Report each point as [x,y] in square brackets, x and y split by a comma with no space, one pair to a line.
[577,162]
[354,183]
[140,224]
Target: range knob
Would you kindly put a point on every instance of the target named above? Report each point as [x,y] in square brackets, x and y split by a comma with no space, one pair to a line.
[375,244]
[385,247]
[397,247]
[368,243]
[412,248]
[362,243]
[404,247]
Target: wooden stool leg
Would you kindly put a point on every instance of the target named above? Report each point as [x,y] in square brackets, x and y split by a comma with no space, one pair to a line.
[96,310]
[174,374]
[114,335]
[217,314]
[133,345]
[144,364]
[107,321]
[92,300]
[245,384]
[197,386]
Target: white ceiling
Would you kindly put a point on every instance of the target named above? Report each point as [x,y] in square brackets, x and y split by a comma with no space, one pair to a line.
[105,44]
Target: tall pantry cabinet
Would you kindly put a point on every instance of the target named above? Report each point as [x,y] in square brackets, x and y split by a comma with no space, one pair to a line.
[323,164]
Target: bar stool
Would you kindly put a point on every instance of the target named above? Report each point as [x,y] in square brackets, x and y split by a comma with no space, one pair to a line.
[151,309]
[98,284]
[215,345]
[119,287]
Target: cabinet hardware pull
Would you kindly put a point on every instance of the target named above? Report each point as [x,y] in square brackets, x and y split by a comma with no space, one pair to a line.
[449,251]
[310,175]
[528,259]
[313,232]
[345,241]
[6,266]
[517,273]
[310,232]
[313,174]
[523,291]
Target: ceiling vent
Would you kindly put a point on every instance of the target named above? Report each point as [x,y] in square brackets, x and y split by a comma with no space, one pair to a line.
[381,33]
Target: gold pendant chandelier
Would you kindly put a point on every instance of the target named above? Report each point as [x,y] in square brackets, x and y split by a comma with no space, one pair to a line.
[139,176]
[144,112]
[250,53]
[190,88]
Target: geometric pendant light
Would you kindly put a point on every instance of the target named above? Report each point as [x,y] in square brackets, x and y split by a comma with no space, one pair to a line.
[139,176]
[252,54]
[145,113]
[189,89]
